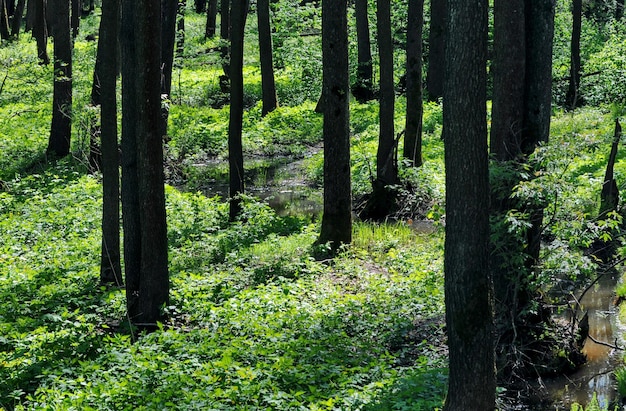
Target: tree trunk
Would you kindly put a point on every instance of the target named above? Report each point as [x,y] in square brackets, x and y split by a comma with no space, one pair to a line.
[75,16]
[337,218]
[468,286]
[235,148]
[436,41]
[509,71]
[16,24]
[413,125]
[61,129]
[4,21]
[211,17]
[130,179]
[225,36]
[572,98]
[268,84]
[363,90]
[40,30]
[154,274]
[200,5]
[619,9]
[168,39]
[110,266]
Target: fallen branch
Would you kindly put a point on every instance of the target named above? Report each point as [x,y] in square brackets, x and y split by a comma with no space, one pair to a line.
[614,346]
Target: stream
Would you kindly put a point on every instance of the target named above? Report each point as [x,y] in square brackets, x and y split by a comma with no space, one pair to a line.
[596,375]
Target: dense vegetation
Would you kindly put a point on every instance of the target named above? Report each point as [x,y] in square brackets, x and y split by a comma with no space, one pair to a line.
[255,322]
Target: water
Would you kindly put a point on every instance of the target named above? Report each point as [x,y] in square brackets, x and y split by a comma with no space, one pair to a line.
[596,375]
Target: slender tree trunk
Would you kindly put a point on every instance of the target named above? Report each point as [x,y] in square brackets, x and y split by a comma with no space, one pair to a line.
[225,36]
[235,148]
[110,266]
[30,15]
[211,17]
[468,286]
[130,176]
[509,71]
[337,217]
[4,21]
[572,98]
[40,30]
[436,41]
[154,274]
[200,5]
[363,90]
[16,24]
[61,129]
[386,168]
[413,125]
[168,39]
[76,13]
[268,84]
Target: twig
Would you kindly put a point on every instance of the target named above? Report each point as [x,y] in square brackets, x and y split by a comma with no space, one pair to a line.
[614,346]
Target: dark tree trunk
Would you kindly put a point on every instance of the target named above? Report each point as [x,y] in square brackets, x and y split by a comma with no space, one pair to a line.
[436,41]
[538,97]
[609,197]
[235,148]
[268,84]
[61,129]
[386,168]
[16,24]
[413,125]
[168,39]
[211,17]
[40,30]
[509,71]
[468,286]
[572,98]
[4,21]
[30,15]
[130,179]
[200,6]
[154,274]
[363,90]
[76,13]
[225,36]
[110,266]
[337,218]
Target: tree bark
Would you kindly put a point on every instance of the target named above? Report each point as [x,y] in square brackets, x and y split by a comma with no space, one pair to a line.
[61,128]
[225,36]
[572,98]
[386,167]
[211,17]
[75,16]
[110,266]
[154,274]
[4,21]
[40,30]
[436,41]
[363,90]
[414,108]
[169,10]
[200,5]
[16,24]
[337,218]
[130,176]
[235,148]
[509,72]
[468,286]
[268,84]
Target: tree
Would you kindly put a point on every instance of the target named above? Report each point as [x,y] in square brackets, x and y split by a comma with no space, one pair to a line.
[363,90]
[169,10]
[75,16]
[40,29]
[572,98]
[225,29]
[110,266]
[268,84]
[436,41]
[414,108]
[235,148]
[468,286]
[16,24]
[200,6]
[61,129]
[130,176]
[4,21]
[211,17]
[337,218]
